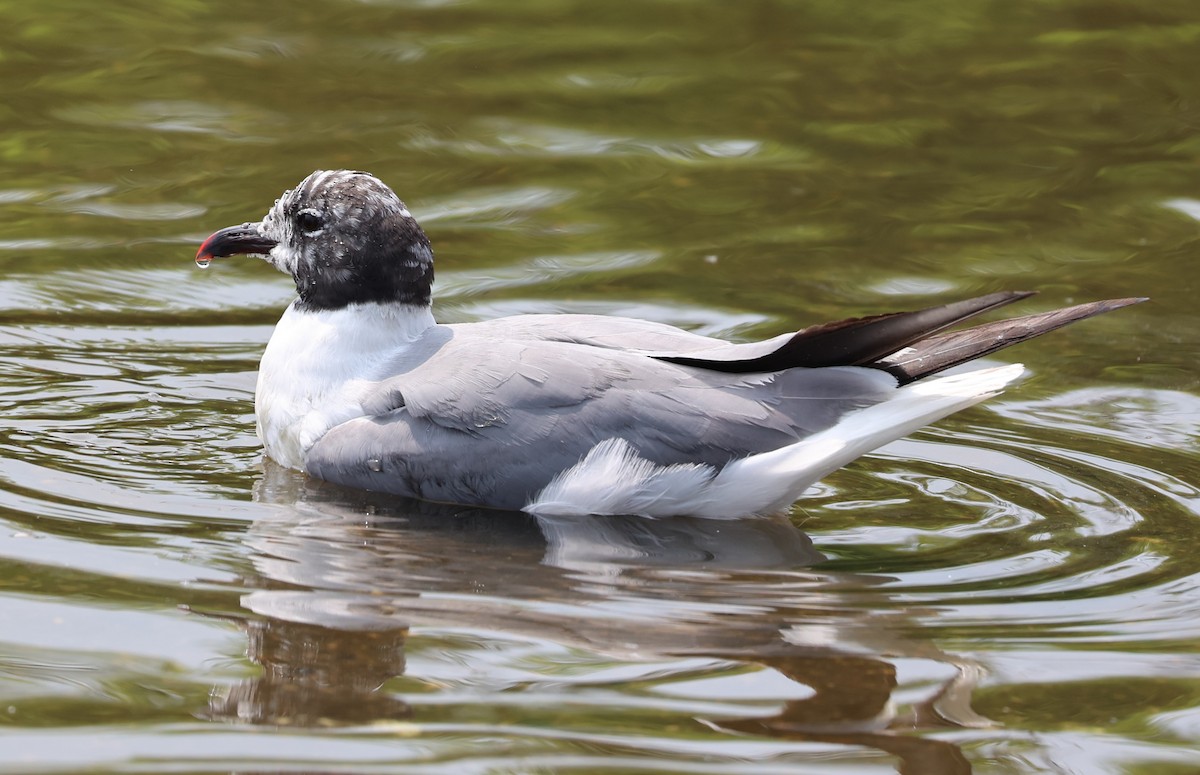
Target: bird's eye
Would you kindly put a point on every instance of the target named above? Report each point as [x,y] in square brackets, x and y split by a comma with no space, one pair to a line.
[309,221]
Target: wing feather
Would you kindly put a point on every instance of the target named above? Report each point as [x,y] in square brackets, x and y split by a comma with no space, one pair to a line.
[479,420]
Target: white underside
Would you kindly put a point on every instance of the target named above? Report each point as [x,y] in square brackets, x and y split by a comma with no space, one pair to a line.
[613,479]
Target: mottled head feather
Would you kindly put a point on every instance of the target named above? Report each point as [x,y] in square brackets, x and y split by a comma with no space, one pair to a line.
[346,238]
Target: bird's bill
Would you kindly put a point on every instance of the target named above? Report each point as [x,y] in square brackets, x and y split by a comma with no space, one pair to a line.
[234,240]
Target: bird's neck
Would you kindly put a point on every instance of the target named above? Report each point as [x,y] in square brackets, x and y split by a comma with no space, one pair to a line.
[322,348]
[390,320]
[345,340]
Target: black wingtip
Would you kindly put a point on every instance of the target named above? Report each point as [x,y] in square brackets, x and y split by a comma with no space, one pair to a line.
[946,350]
[859,341]
[909,345]
[1118,303]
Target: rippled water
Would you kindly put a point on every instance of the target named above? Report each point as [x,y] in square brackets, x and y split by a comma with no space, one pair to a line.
[1015,590]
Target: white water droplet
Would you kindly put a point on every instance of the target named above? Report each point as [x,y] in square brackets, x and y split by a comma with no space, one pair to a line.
[485,420]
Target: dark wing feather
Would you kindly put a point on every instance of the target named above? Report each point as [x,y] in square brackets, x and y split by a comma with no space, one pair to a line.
[951,348]
[908,345]
[858,341]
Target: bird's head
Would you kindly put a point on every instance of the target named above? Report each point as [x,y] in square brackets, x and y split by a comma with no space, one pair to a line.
[343,236]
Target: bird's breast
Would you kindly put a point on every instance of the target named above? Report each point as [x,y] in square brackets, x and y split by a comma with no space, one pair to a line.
[316,372]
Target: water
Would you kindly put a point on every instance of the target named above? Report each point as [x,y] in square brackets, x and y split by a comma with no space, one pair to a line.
[1014,590]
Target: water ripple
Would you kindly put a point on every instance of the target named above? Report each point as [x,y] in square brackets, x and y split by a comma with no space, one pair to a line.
[171,116]
[511,138]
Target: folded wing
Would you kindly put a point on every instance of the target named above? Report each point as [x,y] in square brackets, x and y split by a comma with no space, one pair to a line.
[481,421]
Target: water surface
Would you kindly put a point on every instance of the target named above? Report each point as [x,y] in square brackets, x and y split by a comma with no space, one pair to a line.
[1014,590]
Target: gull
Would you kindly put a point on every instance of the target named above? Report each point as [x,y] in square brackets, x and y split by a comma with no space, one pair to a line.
[571,414]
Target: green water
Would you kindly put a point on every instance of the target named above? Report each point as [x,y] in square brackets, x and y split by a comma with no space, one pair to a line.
[1015,590]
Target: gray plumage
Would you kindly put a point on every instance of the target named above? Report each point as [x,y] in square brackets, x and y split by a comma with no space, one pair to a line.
[527,408]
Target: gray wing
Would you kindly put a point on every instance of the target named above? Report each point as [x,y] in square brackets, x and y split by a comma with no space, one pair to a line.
[483,420]
[646,337]
[853,342]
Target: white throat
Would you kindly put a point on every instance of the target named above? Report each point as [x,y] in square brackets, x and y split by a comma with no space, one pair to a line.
[318,366]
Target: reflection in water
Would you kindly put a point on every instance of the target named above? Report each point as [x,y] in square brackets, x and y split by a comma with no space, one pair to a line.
[315,676]
[344,574]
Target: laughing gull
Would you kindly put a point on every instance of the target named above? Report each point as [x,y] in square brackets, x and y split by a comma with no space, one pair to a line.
[575,414]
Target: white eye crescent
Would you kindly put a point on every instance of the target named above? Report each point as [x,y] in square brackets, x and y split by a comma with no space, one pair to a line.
[310,221]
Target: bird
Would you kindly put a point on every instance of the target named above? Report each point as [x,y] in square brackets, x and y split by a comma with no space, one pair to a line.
[577,414]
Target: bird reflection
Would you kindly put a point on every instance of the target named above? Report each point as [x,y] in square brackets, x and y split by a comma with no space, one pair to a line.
[316,676]
[341,575]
